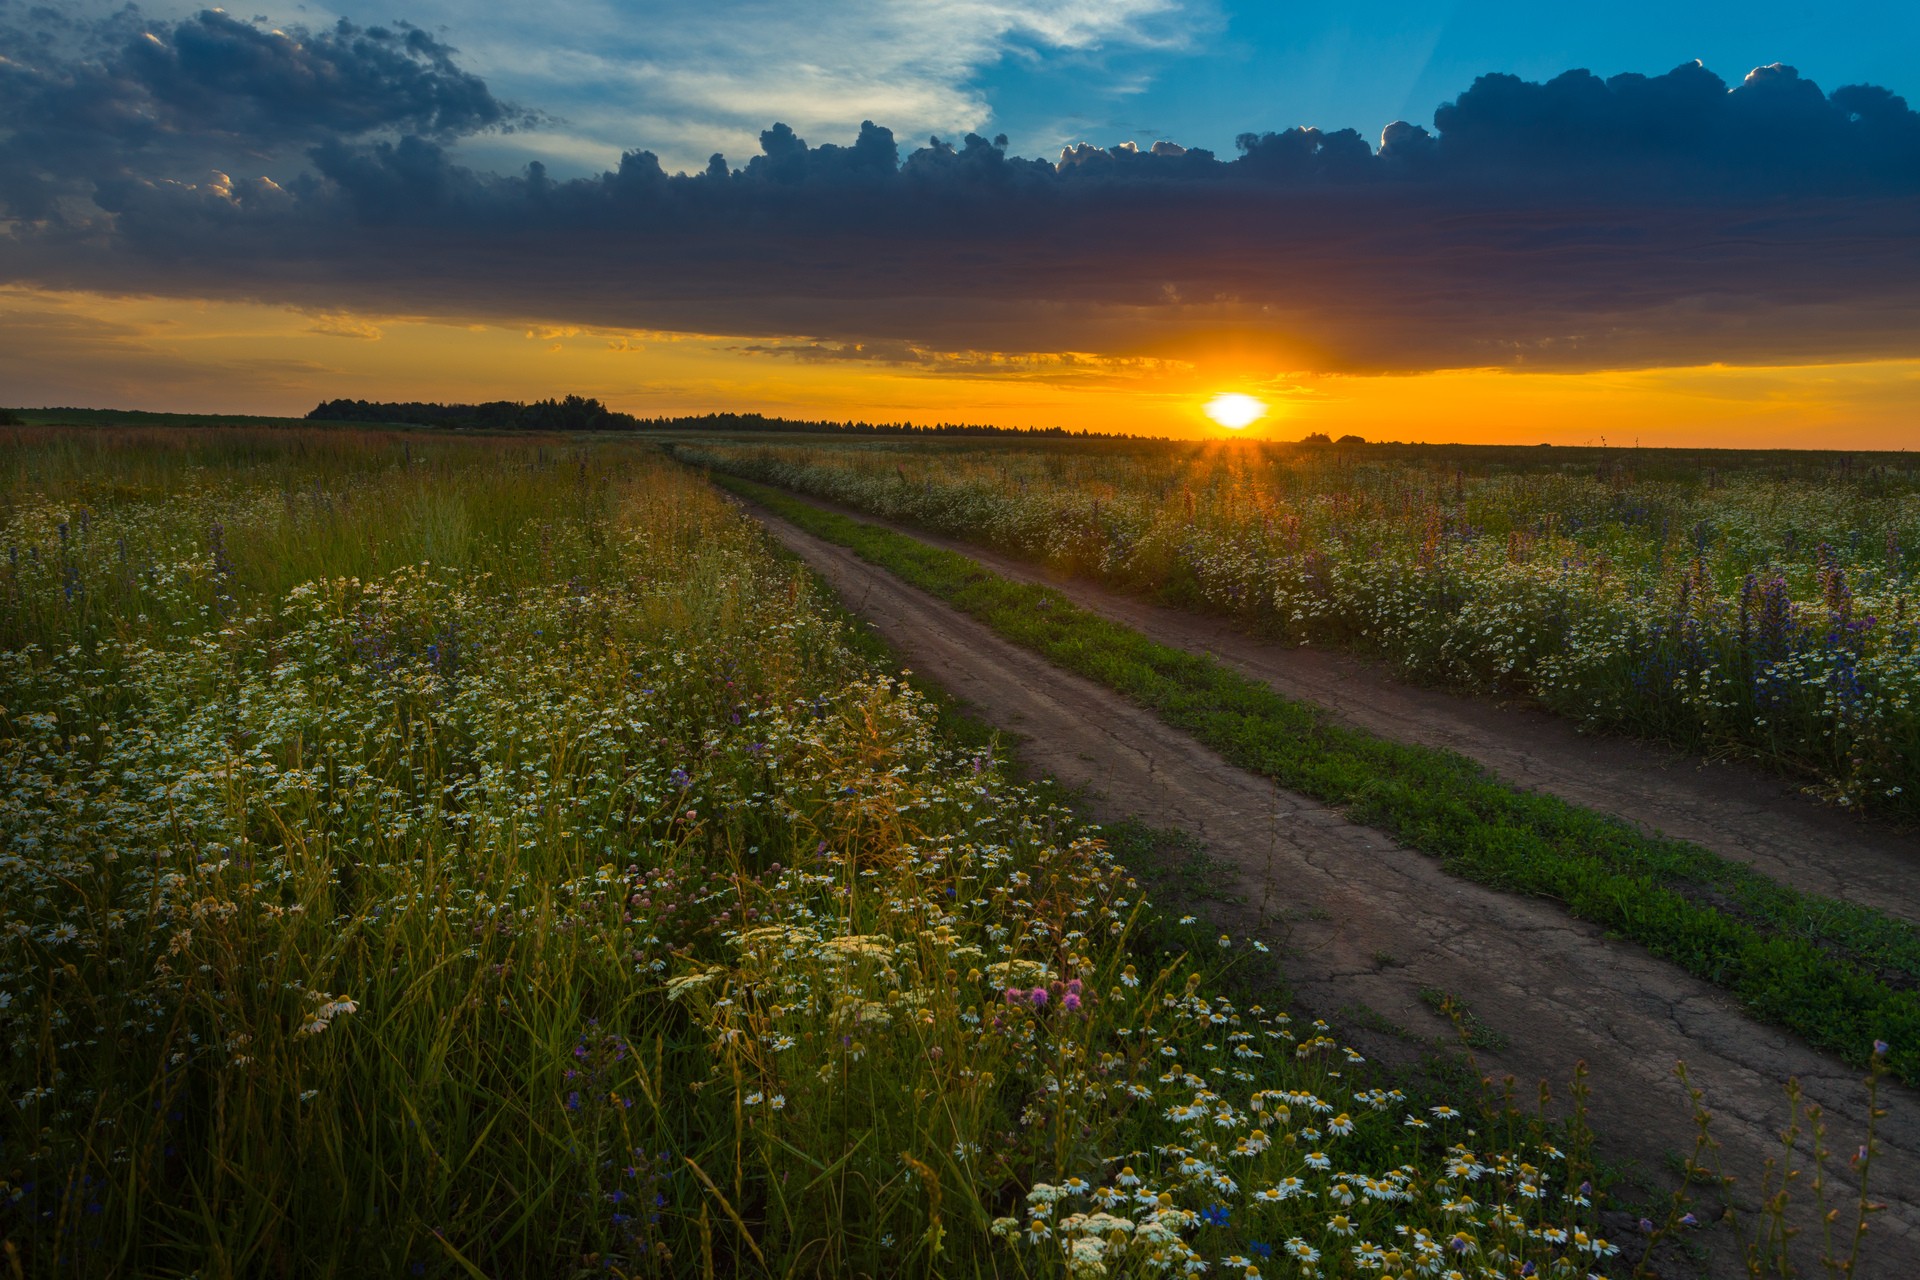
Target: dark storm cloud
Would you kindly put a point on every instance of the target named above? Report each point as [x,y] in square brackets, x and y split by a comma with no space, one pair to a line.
[1775,133]
[124,98]
[1573,224]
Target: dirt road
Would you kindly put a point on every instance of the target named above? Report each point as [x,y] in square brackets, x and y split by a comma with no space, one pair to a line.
[1737,810]
[1369,923]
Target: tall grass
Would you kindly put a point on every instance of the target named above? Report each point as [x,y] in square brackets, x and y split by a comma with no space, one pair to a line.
[1755,603]
[485,858]
[1837,974]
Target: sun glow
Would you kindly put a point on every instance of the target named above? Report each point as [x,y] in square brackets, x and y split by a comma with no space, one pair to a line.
[1232,410]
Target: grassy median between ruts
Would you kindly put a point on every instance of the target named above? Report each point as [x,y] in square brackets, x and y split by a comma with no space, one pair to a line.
[1829,971]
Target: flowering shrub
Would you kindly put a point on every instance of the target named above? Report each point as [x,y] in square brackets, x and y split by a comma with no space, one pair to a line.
[1753,607]
[436,857]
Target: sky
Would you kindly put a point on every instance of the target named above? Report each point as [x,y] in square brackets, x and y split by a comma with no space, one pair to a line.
[1684,224]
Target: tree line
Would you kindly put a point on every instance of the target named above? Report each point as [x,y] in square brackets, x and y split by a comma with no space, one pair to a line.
[572,413]
[582,413]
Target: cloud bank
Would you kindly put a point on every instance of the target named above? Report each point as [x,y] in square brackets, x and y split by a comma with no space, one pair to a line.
[690,76]
[1581,223]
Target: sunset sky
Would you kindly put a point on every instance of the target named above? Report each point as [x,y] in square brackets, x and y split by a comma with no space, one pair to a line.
[1474,221]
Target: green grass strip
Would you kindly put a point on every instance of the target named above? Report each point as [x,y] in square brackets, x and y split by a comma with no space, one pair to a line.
[1829,971]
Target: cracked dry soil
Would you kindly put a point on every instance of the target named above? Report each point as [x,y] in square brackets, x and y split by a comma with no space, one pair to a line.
[1343,897]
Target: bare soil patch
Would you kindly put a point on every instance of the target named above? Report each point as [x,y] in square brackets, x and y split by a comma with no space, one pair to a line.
[1376,929]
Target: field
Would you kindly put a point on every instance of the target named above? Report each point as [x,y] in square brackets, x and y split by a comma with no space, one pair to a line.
[1760,604]
[490,858]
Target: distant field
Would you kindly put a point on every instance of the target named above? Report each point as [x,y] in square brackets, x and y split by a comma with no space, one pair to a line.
[485,857]
[1760,603]
[145,418]
[149,418]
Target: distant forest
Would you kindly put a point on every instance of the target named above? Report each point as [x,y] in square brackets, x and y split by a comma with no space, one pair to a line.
[579,413]
[574,413]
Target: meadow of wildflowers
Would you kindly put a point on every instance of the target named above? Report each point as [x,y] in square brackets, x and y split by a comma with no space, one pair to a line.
[439,857]
[1761,603]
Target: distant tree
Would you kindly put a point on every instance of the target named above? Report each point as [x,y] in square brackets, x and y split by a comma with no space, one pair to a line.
[579,413]
[1351,440]
[1316,437]
[8,418]
[574,413]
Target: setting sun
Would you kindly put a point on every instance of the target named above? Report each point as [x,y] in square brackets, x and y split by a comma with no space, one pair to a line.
[1234,411]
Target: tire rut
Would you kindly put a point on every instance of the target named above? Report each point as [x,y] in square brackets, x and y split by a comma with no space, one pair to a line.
[1341,898]
[1730,807]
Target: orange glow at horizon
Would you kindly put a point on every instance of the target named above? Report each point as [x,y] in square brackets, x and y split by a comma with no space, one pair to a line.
[91,350]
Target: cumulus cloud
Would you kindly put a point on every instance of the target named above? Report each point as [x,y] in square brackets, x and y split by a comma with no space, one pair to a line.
[345,80]
[709,74]
[123,96]
[1774,133]
[1578,223]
